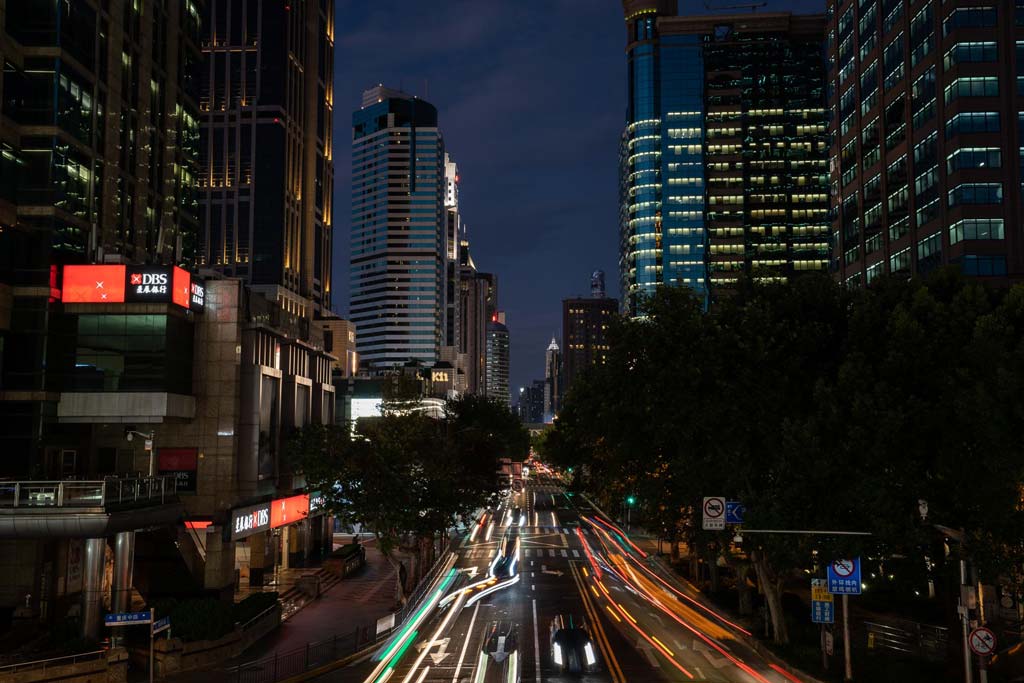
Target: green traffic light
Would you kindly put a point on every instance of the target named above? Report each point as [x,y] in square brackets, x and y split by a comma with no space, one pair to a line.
[631,500]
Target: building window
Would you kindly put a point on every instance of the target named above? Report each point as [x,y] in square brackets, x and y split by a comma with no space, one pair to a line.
[963,53]
[900,261]
[992,266]
[974,157]
[973,122]
[975,193]
[927,212]
[928,246]
[926,152]
[892,61]
[892,17]
[976,229]
[922,36]
[969,17]
[922,98]
[980,86]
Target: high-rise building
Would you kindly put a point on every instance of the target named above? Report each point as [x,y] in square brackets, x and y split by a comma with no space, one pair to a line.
[552,380]
[267,173]
[453,241]
[98,164]
[585,325]
[497,372]
[597,289]
[531,402]
[398,229]
[927,137]
[724,155]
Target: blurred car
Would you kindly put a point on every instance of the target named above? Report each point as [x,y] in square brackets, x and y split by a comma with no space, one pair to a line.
[499,656]
[518,517]
[507,559]
[572,650]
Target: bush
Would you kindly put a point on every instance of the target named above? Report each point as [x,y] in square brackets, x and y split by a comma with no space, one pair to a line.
[198,619]
[253,606]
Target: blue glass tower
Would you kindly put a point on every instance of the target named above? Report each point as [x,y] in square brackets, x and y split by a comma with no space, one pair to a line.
[397,264]
[724,159]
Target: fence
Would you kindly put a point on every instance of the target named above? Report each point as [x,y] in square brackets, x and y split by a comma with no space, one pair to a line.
[316,654]
[909,637]
[88,494]
[43,664]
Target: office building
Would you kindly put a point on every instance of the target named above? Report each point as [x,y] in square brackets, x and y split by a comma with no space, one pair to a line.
[531,402]
[926,138]
[98,164]
[340,342]
[452,262]
[585,324]
[267,174]
[399,229]
[723,161]
[477,305]
[552,381]
[497,361]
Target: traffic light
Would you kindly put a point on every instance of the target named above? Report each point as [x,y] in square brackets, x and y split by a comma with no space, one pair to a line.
[570,470]
[631,500]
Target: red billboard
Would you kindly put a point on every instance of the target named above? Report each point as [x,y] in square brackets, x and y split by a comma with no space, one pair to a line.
[182,463]
[289,510]
[93,284]
[181,286]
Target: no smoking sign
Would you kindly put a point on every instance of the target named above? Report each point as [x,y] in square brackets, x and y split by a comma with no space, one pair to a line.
[714,513]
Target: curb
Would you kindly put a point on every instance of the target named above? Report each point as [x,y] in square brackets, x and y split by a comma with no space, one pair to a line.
[331,666]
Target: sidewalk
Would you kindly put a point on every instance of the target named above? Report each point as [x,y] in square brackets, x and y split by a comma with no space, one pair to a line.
[355,602]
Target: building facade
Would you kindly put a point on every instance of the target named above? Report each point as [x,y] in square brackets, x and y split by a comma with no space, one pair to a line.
[723,160]
[99,133]
[267,174]
[552,381]
[399,229]
[927,134]
[585,324]
[497,362]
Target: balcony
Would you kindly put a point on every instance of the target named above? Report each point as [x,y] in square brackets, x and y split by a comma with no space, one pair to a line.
[87,509]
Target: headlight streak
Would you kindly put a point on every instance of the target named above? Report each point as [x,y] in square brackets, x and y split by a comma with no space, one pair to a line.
[513,667]
[589,650]
[430,643]
[487,591]
[481,668]
[557,654]
[490,530]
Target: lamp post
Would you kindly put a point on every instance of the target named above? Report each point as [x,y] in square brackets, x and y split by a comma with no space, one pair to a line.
[130,433]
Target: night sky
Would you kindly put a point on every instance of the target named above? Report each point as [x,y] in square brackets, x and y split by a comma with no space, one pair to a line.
[531,101]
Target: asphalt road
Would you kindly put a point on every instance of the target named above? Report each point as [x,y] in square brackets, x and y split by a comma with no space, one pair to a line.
[575,563]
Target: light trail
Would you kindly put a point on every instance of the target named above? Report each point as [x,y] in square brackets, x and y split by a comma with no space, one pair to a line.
[437,633]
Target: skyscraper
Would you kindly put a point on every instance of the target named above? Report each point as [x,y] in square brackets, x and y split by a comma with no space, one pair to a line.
[267,172]
[552,381]
[98,163]
[724,154]
[585,325]
[398,229]
[453,240]
[927,132]
[497,361]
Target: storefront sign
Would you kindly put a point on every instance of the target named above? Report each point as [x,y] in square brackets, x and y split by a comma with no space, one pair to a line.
[138,284]
[148,283]
[289,510]
[316,502]
[250,520]
[182,463]
[93,284]
[197,300]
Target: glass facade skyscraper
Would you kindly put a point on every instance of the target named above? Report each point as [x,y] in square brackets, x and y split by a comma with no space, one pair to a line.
[724,156]
[398,229]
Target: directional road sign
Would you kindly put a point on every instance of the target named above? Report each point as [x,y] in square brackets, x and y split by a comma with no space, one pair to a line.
[735,511]
[161,625]
[982,641]
[822,605]
[714,513]
[128,618]
[844,577]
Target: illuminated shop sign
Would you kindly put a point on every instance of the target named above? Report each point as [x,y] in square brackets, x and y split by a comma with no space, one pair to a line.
[250,520]
[182,463]
[136,284]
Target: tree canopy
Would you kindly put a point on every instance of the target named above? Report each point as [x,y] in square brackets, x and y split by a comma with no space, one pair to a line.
[819,407]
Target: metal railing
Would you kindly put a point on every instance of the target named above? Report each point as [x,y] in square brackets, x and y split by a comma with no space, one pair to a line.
[88,494]
[910,638]
[43,664]
[282,665]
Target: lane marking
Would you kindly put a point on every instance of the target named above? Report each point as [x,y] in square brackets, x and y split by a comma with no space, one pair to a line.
[536,645]
[465,646]
[602,639]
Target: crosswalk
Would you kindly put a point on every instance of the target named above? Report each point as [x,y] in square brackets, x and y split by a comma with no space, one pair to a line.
[542,529]
[487,553]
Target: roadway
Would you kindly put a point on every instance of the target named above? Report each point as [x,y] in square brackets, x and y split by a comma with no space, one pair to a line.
[572,562]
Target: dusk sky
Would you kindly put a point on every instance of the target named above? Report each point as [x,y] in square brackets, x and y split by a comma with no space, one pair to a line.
[531,101]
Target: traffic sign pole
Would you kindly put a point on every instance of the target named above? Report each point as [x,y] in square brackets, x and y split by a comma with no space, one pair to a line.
[152,618]
[846,637]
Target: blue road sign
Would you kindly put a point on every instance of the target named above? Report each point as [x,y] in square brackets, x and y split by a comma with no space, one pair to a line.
[735,511]
[161,624]
[822,604]
[844,577]
[128,618]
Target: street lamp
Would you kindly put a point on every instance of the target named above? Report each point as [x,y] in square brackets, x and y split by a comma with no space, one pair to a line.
[130,433]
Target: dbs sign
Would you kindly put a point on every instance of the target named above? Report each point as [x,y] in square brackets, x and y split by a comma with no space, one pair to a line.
[93,284]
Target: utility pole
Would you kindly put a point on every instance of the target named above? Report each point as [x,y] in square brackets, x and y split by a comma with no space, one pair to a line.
[847,645]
